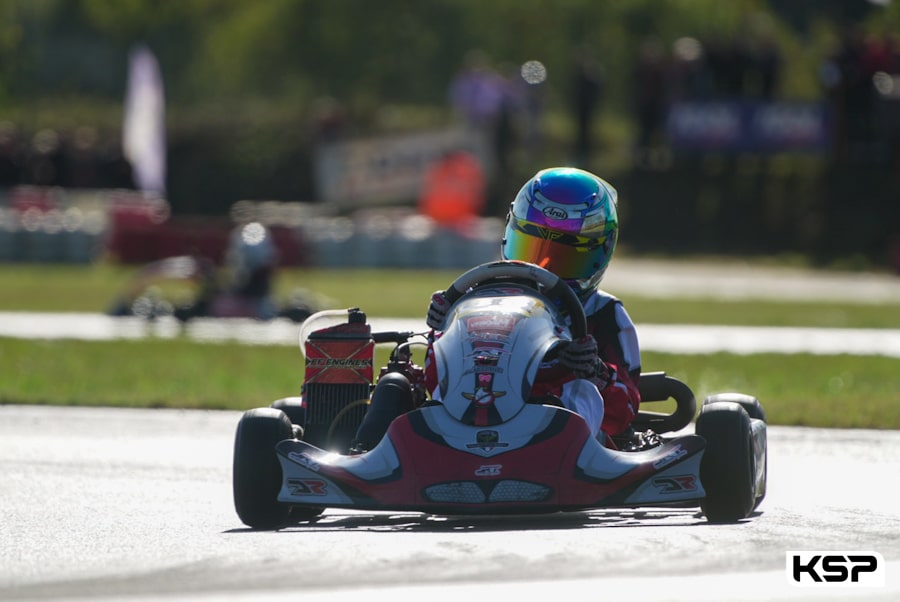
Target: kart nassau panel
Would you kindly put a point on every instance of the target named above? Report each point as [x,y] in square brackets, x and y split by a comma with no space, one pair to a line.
[500,334]
[543,460]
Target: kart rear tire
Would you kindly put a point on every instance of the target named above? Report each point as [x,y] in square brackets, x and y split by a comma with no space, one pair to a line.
[293,407]
[256,476]
[748,402]
[727,470]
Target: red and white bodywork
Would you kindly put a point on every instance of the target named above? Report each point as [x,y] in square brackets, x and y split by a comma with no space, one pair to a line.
[481,447]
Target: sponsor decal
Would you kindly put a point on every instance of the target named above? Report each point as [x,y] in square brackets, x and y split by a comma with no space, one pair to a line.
[555,212]
[493,322]
[676,453]
[329,362]
[303,487]
[484,395]
[835,569]
[487,441]
[303,459]
[675,484]
[548,234]
[489,470]
[478,369]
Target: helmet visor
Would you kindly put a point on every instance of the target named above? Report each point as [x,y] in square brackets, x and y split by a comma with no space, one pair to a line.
[568,256]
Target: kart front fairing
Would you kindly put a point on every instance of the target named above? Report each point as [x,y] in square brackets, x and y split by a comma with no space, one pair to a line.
[482,448]
[492,346]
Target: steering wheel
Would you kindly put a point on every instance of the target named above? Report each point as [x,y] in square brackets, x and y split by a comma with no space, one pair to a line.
[498,272]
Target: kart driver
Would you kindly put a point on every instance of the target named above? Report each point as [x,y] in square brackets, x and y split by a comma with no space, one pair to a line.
[564,220]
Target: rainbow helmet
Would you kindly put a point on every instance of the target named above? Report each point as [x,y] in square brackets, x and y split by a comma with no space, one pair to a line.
[564,219]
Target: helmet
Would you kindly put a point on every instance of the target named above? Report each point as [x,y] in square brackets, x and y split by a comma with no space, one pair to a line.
[564,220]
[252,247]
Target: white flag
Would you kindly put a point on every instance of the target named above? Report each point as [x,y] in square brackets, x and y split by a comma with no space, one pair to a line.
[144,128]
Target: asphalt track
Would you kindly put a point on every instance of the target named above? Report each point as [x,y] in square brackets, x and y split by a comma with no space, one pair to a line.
[118,504]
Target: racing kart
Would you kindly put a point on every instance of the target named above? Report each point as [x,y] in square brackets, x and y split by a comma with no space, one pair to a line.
[485,448]
[188,287]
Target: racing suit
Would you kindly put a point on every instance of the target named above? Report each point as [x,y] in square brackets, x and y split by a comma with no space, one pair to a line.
[611,403]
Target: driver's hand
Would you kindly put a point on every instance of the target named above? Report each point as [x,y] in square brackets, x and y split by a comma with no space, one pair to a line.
[580,356]
[437,311]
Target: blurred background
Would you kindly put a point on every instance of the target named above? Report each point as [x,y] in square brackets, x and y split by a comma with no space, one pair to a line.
[396,133]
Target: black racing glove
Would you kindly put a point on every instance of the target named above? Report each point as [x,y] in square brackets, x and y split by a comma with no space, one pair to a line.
[581,357]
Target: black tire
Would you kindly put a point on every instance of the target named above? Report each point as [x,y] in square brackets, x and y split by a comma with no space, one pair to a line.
[256,471]
[293,407]
[751,404]
[727,469]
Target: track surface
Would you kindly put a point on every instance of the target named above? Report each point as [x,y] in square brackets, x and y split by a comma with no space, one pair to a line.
[136,504]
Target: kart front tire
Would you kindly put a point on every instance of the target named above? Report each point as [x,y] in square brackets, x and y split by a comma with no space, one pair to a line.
[727,470]
[256,475]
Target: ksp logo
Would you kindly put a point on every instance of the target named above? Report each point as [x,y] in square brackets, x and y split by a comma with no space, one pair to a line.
[830,568]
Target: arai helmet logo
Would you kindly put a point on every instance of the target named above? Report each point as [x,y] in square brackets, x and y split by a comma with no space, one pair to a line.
[556,213]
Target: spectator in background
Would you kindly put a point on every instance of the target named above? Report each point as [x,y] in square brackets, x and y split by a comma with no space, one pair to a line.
[483,100]
[587,92]
[530,83]
[767,63]
[651,99]
[689,75]
[11,155]
[477,91]
[727,62]
[44,162]
[82,160]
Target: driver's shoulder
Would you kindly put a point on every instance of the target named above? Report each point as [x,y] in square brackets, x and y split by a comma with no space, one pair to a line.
[598,301]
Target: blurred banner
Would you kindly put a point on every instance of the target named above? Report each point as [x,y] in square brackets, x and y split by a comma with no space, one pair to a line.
[144,128]
[391,169]
[745,126]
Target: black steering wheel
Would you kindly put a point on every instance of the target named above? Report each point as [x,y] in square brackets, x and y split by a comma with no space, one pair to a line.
[497,272]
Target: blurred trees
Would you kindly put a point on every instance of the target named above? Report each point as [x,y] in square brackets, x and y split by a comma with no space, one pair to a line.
[392,51]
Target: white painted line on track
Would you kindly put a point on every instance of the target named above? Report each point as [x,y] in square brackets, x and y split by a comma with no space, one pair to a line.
[669,338]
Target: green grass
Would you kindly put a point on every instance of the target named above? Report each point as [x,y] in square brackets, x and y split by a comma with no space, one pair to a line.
[802,389]
[405,293]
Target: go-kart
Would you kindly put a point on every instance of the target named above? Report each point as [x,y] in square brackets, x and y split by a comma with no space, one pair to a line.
[485,447]
[188,287]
